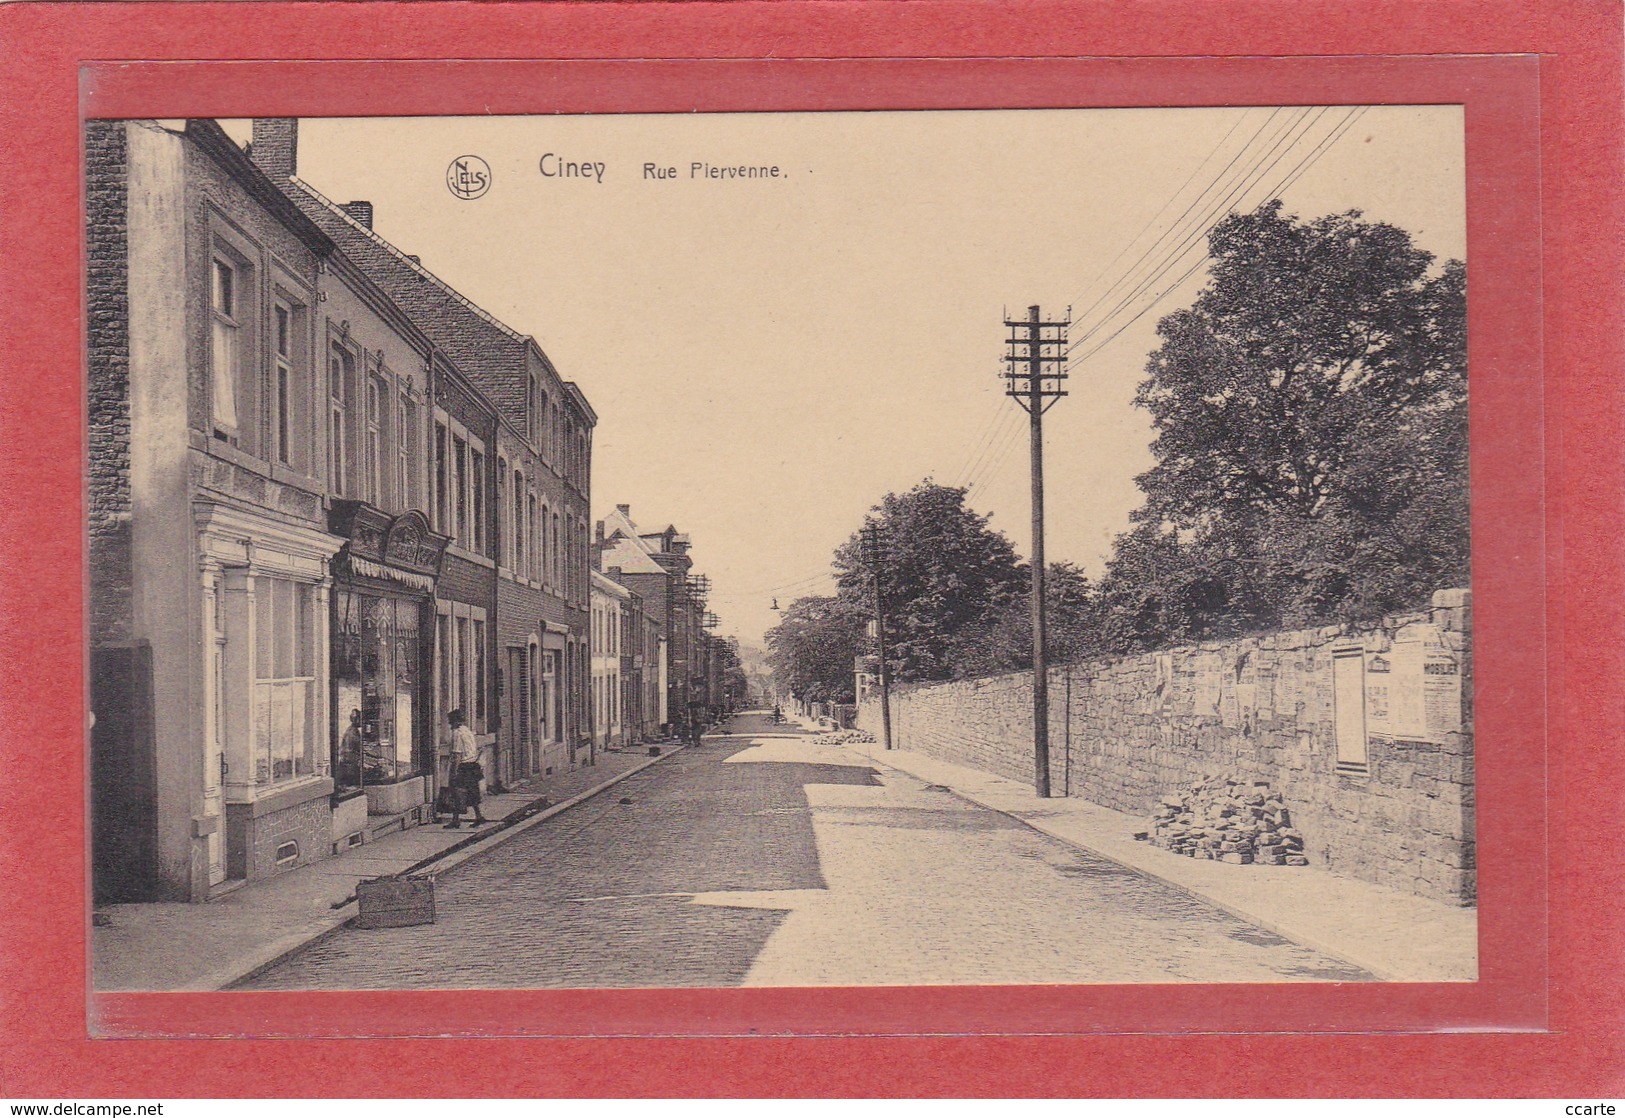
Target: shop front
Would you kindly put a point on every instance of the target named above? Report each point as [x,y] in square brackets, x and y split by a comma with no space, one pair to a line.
[382,664]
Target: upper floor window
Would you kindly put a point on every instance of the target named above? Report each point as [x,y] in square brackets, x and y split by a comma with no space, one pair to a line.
[284,386]
[374,449]
[442,490]
[340,391]
[225,349]
[476,489]
[533,429]
[520,524]
[405,459]
[460,491]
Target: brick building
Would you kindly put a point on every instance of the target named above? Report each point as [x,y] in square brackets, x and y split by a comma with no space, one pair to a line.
[656,566]
[305,520]
[532,472]
[643,668]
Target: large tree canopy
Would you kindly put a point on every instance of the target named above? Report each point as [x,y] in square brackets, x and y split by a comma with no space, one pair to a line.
[1310,416]
[947,575]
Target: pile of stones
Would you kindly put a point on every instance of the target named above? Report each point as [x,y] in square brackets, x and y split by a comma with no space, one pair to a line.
[1227,820]
[846,737]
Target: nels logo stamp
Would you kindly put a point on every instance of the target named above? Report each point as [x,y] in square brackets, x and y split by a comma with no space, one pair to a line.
[468,177]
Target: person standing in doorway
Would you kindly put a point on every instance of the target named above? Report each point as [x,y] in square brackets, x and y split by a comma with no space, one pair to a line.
[466,773]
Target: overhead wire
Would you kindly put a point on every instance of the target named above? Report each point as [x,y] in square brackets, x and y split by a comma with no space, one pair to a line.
[1281,141]
[1165,206]
[999,412]
[1280,144]
[1297,171]
[1178,227]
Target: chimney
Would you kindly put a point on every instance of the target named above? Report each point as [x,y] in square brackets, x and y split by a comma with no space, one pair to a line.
[409,256]
[624,510]
[600,533]
[360,211]
[275,146]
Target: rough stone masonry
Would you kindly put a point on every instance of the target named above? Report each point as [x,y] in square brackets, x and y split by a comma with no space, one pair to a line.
[1366,732]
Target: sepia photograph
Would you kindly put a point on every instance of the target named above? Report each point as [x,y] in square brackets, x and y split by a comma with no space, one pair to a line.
[1016,547]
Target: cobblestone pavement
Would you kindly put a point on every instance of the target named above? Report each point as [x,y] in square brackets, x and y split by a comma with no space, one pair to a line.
[764,858]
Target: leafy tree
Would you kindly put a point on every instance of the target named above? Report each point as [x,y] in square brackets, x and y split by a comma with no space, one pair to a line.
[1310,410]
[947,578]
[1004,642]
[812,648]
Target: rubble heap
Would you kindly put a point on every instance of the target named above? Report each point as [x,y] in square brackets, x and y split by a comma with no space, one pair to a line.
[846,737]
[1227,820]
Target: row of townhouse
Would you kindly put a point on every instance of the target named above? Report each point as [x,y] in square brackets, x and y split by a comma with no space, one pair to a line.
[330,500]
[655,673]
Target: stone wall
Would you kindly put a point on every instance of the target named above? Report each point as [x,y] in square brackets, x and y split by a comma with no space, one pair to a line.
[256,835]
[108,349]
[1367,733]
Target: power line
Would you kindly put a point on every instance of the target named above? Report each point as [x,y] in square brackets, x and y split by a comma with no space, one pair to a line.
[1282,144]
[1292,176]
[999,413]
[1135,239]
[1281,141]
[1175,227]
[996,462]
[1009,424]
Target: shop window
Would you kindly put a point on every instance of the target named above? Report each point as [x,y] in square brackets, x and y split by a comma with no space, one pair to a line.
[461,659]
[443,632]
[284,681]
[378,689]
[478,712]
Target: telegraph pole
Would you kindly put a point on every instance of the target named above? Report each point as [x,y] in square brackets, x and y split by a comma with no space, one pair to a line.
[874,550]
[1036,361]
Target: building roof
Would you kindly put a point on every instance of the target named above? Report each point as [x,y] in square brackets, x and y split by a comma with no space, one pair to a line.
[630,556]
[606,585]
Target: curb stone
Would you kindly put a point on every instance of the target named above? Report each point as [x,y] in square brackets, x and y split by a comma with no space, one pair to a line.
[450,858]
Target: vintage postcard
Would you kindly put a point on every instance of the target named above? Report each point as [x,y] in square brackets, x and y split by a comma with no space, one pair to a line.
[667,545]
[658,492]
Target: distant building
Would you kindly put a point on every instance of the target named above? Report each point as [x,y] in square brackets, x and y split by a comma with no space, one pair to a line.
[656,566]
[608,619]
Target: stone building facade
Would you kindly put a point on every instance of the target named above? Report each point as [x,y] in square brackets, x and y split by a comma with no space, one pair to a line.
[534,471]
[1366,733]
[609,600]
[210,552]
[298,527]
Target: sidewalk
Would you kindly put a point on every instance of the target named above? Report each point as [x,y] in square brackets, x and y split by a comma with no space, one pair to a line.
[210,946]
[1395,936]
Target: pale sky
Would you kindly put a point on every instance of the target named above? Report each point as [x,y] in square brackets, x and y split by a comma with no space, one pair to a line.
[769,357]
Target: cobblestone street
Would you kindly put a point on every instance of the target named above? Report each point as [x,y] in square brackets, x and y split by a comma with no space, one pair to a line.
[762,858]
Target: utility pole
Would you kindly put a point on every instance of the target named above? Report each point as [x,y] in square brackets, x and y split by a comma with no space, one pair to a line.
[1036,362]
[874,550]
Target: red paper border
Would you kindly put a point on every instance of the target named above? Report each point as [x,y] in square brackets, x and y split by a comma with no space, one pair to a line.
[1571,537]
